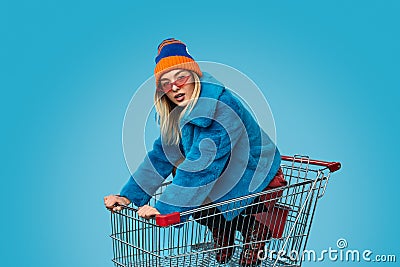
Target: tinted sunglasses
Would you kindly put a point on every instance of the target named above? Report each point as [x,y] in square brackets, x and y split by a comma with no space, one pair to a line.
[167,86]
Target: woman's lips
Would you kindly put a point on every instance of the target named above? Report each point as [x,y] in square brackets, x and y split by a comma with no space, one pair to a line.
[180,97]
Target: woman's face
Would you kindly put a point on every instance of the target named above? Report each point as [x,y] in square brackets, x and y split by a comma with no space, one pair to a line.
[171,83]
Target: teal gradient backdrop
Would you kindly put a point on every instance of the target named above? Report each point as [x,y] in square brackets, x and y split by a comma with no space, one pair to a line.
[329,69]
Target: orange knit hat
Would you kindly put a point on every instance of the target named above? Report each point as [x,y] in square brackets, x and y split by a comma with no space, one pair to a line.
[173,54]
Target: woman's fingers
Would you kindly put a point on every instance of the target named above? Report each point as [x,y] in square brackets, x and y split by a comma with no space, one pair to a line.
[111,200]
[117,208]
[123,201]
[147,211]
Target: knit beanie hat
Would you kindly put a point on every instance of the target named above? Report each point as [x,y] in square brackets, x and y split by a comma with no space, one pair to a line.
[173,54]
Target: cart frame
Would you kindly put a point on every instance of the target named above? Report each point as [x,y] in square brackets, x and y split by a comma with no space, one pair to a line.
[168,242]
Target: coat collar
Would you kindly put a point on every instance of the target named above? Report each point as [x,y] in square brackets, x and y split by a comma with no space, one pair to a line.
[203,112]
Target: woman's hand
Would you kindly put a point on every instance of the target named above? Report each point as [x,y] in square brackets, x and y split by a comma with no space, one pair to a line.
[147,211]
[111,200]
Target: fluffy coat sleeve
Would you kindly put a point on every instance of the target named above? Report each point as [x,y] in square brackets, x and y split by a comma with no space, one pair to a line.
[149,176]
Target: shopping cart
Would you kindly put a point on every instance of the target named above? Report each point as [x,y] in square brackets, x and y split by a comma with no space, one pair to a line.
[288,214]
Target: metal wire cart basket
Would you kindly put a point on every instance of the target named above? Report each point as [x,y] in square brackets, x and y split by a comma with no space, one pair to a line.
[288,214]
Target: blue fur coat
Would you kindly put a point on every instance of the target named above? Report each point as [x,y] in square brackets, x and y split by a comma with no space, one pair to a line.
[227,155]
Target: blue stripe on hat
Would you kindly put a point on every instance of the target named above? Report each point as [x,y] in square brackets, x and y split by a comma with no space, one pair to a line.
[176,49]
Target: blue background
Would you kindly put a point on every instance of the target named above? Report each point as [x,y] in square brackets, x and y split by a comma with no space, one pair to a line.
[329,69]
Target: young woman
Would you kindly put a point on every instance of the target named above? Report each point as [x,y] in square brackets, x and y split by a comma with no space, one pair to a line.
[221,150]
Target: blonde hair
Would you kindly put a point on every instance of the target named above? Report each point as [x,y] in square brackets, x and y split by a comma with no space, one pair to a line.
[169,114]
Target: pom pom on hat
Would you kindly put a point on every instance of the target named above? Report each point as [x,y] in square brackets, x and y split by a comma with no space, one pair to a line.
[173,54]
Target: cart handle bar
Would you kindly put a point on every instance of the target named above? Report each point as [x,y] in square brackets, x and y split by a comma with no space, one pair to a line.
[161,220]
[332,166]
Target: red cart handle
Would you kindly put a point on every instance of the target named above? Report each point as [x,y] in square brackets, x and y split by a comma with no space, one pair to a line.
[168,219]
[332,166]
